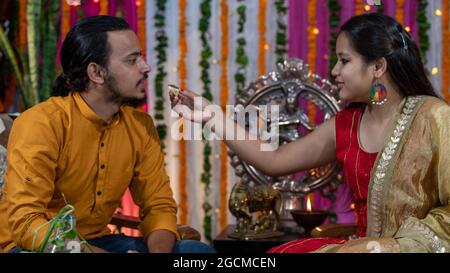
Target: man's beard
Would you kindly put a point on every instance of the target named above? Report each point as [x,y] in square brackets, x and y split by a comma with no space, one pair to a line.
[116,97]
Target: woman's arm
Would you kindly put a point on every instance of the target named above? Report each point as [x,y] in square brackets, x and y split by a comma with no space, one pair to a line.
[314,150]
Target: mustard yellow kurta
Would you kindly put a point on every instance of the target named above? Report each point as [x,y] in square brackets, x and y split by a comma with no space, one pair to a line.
[62,149]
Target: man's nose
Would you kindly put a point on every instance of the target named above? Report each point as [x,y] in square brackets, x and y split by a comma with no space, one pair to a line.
[145,67]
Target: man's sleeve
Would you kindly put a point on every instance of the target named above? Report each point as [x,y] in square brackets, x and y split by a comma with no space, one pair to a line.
[32,157]
[151,190]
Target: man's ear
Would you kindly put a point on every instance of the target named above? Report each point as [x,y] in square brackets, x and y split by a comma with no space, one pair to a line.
[96,73]
[380,67]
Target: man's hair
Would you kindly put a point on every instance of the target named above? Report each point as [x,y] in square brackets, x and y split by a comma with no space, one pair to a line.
[86,42]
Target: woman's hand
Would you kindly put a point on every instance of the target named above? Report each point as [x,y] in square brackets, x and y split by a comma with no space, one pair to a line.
[192,106]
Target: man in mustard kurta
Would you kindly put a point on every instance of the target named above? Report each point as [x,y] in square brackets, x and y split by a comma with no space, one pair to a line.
[85,146]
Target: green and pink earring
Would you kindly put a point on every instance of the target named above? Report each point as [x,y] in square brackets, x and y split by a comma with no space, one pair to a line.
[378,94]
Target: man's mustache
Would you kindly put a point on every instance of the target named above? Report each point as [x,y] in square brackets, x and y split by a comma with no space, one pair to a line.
[142,80]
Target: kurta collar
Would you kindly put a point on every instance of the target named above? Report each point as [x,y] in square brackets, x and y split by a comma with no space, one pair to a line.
[89,113]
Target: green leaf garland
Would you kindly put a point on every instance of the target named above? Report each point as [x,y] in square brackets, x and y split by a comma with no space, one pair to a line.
[281,36]
[205,56]
[161,57]
[334,9]
[241,56]
[424,26]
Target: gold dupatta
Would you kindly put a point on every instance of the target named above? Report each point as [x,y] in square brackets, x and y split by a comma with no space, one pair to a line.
[409,191]
[386,161]
[408,206]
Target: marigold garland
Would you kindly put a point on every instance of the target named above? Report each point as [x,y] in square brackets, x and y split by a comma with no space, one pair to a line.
[262,37]
[223,101]
[65,19]
[312,52]
[141,30]
[445,50]
[22,38]
[400,11]
[182,144]
[312,37]
[141,23]
[104,7]
[359,7]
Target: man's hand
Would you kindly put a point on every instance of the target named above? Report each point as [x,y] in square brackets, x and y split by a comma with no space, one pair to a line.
[161,241]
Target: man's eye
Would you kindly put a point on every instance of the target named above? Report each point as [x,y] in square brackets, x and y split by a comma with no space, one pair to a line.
[132,61]
[344,61]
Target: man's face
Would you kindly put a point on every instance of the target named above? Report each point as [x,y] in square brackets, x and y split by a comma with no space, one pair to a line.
[127,68]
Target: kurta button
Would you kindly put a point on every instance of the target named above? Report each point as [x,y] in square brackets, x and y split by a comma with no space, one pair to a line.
[103,144]
[102,166]
[99,193]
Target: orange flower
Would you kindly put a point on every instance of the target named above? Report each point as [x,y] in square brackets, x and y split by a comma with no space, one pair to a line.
[22,38]
[65,19]
[223,102]
[312,37]
[262,37]
[400,11]
[445,52]
[104,7]
[359,7]
[182,143]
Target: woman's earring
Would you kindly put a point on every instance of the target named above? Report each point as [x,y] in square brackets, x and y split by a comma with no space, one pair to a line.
[378,94]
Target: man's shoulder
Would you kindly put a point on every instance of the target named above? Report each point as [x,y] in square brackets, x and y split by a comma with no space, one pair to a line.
[49,110]
[137,116]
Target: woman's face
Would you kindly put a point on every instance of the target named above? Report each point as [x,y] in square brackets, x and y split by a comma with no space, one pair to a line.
[352,74]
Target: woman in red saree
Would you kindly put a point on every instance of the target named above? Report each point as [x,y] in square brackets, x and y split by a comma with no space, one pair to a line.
[392,140]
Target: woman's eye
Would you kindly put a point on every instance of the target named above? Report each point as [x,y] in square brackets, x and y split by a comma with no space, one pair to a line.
[344,61]
[132,61]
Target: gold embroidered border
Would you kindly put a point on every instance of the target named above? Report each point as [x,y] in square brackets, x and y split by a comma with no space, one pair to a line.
[434,242]
[385,162]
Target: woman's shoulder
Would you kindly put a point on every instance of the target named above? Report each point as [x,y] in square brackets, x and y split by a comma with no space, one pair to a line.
[434,113]
[433,106]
